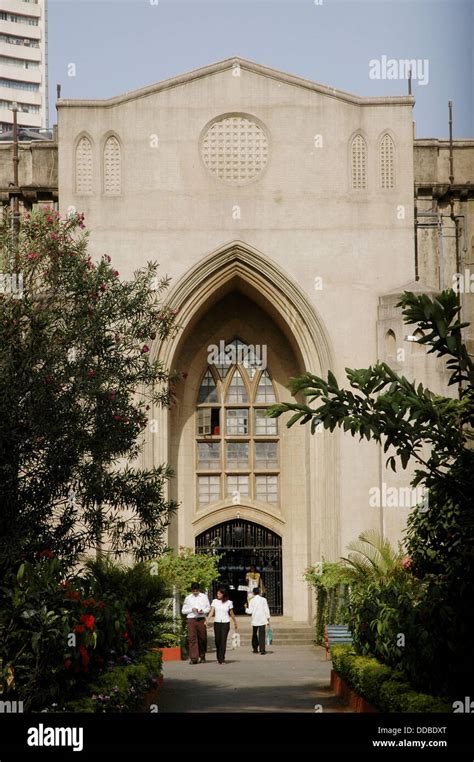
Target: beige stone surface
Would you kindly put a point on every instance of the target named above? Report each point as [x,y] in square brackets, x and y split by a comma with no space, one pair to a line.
[238,180]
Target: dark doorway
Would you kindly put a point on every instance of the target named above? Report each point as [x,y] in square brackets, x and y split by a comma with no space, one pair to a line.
[242,545]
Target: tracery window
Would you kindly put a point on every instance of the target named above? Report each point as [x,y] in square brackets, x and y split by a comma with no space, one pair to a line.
[237,445]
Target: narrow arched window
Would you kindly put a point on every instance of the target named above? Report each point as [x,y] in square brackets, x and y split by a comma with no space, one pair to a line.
[265,390]
[236,391]
[208,391]
[359,163]
[84,166]
[112,167]
[390,344]
[416,347]
[387,163]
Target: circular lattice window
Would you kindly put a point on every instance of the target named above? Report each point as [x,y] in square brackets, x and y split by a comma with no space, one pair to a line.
[235,149]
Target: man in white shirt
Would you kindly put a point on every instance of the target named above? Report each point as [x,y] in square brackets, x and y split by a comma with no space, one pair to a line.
[258,608]
[195,607]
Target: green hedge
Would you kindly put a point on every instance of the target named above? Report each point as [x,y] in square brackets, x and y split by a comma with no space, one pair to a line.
[383,687]
[122,689]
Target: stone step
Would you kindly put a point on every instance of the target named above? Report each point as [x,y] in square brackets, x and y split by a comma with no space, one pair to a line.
[246,640]
[291,630]
[307,633]
[285,633]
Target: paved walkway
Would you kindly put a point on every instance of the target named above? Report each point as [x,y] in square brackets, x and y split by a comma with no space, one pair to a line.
[287,679]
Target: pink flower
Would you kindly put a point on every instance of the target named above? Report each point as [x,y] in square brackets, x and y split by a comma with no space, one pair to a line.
[103,286]
[33,255]
[116,273]
[117,417]
[145,348]
[91,373]
[407,563]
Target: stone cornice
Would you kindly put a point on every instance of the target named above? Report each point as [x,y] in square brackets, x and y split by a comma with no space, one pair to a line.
[245,65]
[442,143]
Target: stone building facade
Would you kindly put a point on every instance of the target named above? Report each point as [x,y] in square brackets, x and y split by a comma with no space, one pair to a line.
[284,213]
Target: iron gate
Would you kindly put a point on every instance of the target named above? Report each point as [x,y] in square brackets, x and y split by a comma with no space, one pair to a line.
[241,545]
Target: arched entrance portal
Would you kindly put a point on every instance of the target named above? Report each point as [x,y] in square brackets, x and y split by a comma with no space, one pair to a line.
[230,460]
[241,545]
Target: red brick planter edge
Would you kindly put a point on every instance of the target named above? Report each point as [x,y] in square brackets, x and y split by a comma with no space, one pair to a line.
[352,699]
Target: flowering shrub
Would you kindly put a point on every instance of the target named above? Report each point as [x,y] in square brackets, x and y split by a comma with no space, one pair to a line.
[99,635]
[57,634]
[73,351]
[121,689]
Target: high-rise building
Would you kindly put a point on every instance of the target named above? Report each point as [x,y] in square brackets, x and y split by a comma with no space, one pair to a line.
[23,63]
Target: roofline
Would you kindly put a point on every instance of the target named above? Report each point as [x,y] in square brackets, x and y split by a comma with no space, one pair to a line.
[443,142]
[246,65]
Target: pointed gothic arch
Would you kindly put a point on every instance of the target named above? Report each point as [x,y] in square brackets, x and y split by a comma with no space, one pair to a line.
[233,269]
[282,296]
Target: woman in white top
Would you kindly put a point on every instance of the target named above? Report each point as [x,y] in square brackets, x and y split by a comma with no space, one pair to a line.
[223,611]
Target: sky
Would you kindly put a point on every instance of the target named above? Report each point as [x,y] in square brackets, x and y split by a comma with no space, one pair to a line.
[101,48]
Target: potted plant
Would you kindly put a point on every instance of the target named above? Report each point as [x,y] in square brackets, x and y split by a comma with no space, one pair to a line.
[169,645]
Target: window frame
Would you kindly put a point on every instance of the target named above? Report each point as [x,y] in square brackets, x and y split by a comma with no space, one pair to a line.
[225,467]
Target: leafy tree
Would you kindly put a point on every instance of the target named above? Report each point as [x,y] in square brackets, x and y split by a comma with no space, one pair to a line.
[183,568]
[435,433]
[76,385]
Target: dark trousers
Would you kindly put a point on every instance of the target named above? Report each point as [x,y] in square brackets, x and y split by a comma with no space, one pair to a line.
[221,631]
[258,638]
[197,638]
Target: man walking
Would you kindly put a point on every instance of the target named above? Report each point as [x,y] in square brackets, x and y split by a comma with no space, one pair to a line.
[258,608]
[196,606]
